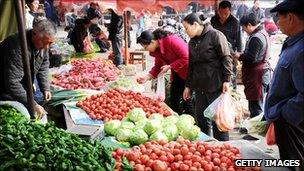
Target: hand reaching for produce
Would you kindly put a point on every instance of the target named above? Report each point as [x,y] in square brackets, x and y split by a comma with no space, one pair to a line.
[47,95]
[186,94]
[226,87]
[39,111]
[164,69]
[144,79]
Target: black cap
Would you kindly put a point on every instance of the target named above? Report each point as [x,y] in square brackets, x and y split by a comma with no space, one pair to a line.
[145,37]
[295,6]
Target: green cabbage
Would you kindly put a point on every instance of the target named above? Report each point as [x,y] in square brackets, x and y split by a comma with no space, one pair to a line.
[185,121]
[127,125]
[123,135]
[111,127]
[152,126]
[156,116]
[136,114]
[171,131]
[170,120]
[140,124]
[158,135]
[191,132]
[138,137]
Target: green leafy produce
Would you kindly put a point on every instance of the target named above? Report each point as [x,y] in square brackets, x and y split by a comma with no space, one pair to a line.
[123,134]
[156,116]
[26,145]
[170,120]
[136,114]
[140,124]
[191,132]
[125,83]
[152,126]
[138,137]
[127,125]
[171,131]
[158,135]
[64,96]
[184,121]
[111,127]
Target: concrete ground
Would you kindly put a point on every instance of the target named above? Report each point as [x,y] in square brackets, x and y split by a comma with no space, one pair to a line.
[234,134]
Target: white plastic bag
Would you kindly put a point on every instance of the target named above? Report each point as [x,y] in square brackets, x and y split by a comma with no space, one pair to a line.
[223,111]
[160,89]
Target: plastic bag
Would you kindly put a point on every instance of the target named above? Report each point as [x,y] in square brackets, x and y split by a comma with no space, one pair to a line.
[255,125]
[223,111]
[270,135]
[160,89]
[88,46]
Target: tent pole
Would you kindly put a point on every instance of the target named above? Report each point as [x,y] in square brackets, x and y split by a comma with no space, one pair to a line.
[25,59]
[125,16]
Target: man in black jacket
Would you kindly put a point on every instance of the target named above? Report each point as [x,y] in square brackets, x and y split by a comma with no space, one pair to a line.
[11,66]
[228,24]
[115,35]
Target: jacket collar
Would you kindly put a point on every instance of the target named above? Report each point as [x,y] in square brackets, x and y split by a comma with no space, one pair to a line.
[259,28]
[294,39]
[207,28]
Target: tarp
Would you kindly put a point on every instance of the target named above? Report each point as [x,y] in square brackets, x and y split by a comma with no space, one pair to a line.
[8,21]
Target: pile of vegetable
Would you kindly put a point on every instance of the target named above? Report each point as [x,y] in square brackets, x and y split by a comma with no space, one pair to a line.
[87,74]
[180,155]
[64,96]
[137,129]
[125,83]
[27,145]
[115,103]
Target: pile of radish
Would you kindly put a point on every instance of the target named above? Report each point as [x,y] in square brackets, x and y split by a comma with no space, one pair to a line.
[115,103]
[180,155]
[87,74]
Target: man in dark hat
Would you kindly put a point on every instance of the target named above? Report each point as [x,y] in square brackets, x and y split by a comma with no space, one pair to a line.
[284,104]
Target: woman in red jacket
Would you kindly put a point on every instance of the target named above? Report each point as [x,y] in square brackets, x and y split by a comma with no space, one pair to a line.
[170,52]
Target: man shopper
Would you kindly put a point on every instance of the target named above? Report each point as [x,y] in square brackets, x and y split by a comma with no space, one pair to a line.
[284,105]
[12,85]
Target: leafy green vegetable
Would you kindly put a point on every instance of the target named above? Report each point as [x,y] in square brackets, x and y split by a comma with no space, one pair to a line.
[191,132]
[184,121]
[136,114]
[123,134]
[158,135]
[152,126]
[111,127]
[170,131]
[157,116]
[138,137]
[126,125]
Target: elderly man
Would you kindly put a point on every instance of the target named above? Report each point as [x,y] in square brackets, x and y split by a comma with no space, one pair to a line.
[12,81]
[257,11]
[284,104]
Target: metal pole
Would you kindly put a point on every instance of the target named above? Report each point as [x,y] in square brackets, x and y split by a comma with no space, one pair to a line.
[25,59]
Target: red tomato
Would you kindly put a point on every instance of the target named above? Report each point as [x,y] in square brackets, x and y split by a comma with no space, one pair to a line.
[139,167]
[176,151]
[216,161]
[159,166]
[150,163]
[174,166]
[178,157]
[187,157]
[197,164]
[120,152]
[215,155]
[153,156]
[163,158]
[208,167]
[170,157]
[184,151]
[144,159]
[184,167]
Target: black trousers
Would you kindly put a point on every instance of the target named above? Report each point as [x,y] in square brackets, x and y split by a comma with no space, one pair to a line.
[290,140]
[177,103]
[201,102]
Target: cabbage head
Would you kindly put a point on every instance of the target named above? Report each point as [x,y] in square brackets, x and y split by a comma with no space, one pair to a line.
[136,114]
[123,135]
[140,124]
[152,126]
[111,127]
[170,131]
[172,119]
[158,135]
[184,121]
[127,125]
[191,132]
[156,116]
[139,136]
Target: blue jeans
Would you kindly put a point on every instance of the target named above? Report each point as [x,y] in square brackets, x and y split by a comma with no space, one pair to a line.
[116,46]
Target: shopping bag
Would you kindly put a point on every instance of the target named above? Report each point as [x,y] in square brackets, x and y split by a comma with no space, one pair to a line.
[223,111]
[87,45]
[160,89]
[270,135]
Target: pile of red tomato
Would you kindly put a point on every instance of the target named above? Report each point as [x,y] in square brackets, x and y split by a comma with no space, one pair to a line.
[180,155]
[115,103]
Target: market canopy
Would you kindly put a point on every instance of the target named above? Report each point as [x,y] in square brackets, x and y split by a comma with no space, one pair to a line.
[140,5]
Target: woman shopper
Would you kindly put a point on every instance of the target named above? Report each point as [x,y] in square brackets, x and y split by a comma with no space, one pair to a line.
[170,52]
[210,69]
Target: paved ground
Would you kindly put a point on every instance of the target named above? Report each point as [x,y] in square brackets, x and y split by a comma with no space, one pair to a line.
[234,135]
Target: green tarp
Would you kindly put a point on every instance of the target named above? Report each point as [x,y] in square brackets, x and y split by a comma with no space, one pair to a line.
[8,22]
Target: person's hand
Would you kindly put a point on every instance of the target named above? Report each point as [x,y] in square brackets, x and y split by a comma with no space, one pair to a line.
[47,95]
[186,93]
[144,79]
[39,111]
[164,69]
[236,55]
[226,87]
